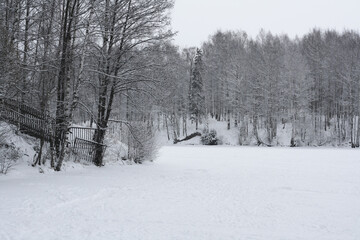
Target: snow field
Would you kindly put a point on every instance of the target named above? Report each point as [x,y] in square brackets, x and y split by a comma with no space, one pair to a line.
[192,192]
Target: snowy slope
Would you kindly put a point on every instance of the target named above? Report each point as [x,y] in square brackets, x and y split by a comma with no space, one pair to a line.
[192,193]
[20,143]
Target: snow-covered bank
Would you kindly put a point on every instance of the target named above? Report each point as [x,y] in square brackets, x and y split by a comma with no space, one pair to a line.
[192,193]
[15,148]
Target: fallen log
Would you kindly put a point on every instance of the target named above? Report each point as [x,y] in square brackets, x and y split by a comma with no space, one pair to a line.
[196,134]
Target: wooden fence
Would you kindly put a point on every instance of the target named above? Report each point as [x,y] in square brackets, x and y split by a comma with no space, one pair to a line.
[85,133]
[29,120]
[33,122]
[23,108]
[85,149]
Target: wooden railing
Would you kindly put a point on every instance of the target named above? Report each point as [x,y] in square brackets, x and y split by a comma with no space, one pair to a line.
[85,149]
[85,133]
[23,108]
[29,120]
[40,125]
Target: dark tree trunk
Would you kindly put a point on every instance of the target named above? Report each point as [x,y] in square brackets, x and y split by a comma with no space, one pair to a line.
[62,120]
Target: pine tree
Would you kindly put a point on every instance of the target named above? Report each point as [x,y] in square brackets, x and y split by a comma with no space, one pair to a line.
[196,93]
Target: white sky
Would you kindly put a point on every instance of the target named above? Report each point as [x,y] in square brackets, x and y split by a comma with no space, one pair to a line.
[196,20]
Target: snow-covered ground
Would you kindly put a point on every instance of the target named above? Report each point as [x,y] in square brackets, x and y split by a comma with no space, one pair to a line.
[191,192]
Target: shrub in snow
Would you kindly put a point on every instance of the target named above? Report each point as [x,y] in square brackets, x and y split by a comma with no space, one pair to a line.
[209,138]
[9,155]
[141,142]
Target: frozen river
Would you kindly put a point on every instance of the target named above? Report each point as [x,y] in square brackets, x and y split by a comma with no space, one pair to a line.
[192,193]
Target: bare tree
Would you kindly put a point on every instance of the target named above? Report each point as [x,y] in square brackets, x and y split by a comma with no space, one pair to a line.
[126,26]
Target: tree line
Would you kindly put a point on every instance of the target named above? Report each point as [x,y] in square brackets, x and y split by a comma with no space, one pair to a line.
[309,85]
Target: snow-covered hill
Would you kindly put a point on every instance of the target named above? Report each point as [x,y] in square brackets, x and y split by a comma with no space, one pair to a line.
[15,149]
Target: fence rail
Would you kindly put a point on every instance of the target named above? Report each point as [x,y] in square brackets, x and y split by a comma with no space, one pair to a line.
[24,108]
[85,133]
[26,118]
[33,122]
[85,149]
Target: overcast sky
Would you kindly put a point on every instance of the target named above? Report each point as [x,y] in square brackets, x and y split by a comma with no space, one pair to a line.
[195,20]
